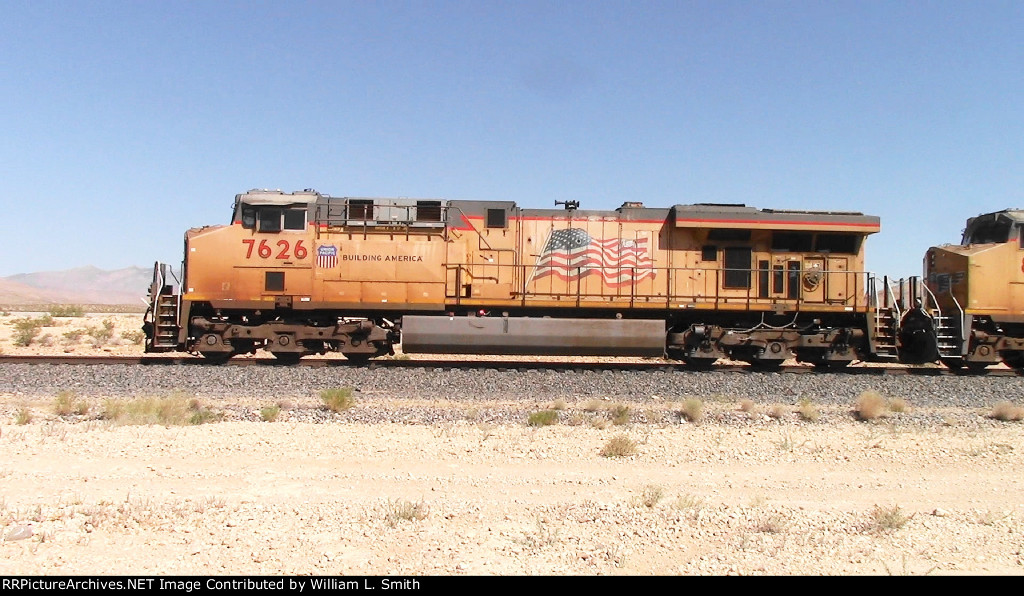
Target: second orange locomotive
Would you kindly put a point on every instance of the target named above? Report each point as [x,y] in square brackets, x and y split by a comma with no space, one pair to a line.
[304,273]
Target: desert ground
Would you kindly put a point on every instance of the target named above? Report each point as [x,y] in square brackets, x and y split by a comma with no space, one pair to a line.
[743,488]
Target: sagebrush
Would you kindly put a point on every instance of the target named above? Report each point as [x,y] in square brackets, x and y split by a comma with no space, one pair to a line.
[619,446]
[339,399]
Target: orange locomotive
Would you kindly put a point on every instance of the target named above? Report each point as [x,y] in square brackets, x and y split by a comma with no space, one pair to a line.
[971,311]
[306,273]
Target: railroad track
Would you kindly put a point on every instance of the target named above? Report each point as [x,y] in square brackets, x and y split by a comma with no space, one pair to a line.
[490,364]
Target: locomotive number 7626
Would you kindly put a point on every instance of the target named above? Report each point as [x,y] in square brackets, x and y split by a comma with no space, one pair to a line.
[285,249]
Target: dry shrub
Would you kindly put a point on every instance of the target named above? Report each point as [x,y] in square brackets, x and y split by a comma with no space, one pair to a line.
[63,404]
[692,409]
[543,418]
[748,405]
[1007,412]
[620,414]
[776,523]
[688,502]
[176,410]
[651,495]
[26,330]
[401,510]
[808,410]
[338,400]
[73,335]
[619,446]
[135,337]
[870,405]
[576,419]
[67,310]
[270,413]
[898,405]
[885,519]
[101,335]
[778,411]
[23,417]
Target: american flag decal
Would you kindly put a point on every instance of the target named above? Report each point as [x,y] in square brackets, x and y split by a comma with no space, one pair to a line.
[327,256]
[571,254]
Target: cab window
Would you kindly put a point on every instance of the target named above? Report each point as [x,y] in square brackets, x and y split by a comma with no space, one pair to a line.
[848,244]
[274,219]
[989,233]
[270,220]
[249,218]
[295,219]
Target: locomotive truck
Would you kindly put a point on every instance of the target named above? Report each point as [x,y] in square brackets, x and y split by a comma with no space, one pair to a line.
[305,273]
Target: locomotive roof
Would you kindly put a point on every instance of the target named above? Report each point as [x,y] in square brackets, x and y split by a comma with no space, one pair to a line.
[1015,215]
[258,196]
[699,215]
[714,215]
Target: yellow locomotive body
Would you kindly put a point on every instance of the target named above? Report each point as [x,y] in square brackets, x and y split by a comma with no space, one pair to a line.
[305,273]
[975,293]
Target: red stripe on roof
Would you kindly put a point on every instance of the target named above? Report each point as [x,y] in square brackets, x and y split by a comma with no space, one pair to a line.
[782,222]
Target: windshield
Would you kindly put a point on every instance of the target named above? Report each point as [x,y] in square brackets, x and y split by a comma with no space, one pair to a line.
[987,232]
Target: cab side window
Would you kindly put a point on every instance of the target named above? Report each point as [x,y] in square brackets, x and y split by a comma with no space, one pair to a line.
[270,220]
[273,219]
[249,218]
[295,219]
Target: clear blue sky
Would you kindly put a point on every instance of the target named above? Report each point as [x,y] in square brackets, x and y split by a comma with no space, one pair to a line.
[125,123]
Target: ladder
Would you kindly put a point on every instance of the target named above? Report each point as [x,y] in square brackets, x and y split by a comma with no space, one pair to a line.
[947,335]
[884,327]
[165,332]
[161,317]
[950,339]
[885,320]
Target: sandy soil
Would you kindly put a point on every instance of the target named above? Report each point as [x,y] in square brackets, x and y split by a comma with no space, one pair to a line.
[763,496]
[90,335]
[744,494]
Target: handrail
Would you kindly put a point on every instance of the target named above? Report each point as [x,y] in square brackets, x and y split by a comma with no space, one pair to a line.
[935,301]
[895,303]
[667,285]
[963,327]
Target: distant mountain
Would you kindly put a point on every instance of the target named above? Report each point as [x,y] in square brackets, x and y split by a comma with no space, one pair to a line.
[83,285]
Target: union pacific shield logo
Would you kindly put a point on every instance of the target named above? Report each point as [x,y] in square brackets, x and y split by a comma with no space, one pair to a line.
[327,256]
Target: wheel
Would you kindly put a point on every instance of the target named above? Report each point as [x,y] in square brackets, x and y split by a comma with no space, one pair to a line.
[831,365]
[288,358]
[700,363]
[1014,360]
[673,354]
[217,357]
[767,365]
